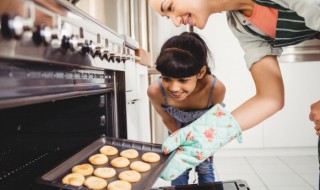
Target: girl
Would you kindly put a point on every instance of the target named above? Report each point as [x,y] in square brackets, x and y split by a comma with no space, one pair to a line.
[185,90]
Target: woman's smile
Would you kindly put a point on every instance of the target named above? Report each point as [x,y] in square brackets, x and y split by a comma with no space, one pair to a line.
[188,20]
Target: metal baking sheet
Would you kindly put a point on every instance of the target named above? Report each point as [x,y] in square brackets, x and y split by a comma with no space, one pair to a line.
[54,177]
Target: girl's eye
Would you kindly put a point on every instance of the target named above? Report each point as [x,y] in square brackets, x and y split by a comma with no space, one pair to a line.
[183,81]
[166,79]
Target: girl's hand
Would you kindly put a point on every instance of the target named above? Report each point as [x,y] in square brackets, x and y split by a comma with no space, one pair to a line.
[199,141]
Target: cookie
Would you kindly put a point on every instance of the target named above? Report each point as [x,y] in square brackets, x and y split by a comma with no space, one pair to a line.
[150,157]
[105,172]
[98,159]
[140,166]
[119,185]
[129,153]
[130,176]
[120,162]
[84,169]
[74,179]
[93,182]
[108,150]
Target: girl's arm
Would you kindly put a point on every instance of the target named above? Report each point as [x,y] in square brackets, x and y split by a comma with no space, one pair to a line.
[155,98]
[219,92]
[269,97]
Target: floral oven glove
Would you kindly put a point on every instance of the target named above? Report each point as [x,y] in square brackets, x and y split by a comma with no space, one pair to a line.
[199,140]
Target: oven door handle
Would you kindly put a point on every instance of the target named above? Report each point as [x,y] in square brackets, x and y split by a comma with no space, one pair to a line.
[133,101]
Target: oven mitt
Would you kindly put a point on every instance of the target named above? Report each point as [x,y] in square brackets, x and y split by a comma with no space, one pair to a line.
[199,140]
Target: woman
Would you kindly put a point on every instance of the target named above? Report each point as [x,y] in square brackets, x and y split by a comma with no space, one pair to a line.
[289,22]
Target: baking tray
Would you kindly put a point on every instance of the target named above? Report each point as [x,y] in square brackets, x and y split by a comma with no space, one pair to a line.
[54,177]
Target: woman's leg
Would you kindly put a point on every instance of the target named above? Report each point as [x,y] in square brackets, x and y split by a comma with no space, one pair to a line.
[205,172]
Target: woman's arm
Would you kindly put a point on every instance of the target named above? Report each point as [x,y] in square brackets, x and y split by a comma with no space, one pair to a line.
[261,60]
[269,97]
[155,97]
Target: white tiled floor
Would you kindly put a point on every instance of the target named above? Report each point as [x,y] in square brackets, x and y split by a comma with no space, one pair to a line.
[270,172]
[276,172]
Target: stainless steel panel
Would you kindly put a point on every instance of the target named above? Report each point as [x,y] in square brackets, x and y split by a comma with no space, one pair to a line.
[112,13]
[305,51]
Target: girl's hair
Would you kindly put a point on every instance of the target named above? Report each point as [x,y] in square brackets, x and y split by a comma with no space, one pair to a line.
[183,56]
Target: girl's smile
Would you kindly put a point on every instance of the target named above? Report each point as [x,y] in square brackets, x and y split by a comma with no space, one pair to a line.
[176,95]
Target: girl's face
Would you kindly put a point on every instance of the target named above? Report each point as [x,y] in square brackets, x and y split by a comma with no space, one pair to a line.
[192,12]
[179,88]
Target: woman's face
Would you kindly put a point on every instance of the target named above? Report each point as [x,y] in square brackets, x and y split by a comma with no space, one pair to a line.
[179,88]
[192,12]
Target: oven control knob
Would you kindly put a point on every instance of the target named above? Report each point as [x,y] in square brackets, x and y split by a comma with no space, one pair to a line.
[55,40]
[124,56]
[83,46]
[118,58]
[11,26]
[65,43]
[73,41]
[86,47]
[118,54]
[111,57]
[105,50]
[42,34]
[69,43]
[96,50]
[105,53]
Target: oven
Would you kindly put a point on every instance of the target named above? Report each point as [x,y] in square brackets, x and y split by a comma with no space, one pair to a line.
[62,86]
[62,95]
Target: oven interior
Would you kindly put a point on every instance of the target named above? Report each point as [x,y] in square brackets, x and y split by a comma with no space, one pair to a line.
[35,138]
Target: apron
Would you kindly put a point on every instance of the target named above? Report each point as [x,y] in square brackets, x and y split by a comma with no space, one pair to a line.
[291,28]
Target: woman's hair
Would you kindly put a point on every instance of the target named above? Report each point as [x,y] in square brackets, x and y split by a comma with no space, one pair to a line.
[183,56]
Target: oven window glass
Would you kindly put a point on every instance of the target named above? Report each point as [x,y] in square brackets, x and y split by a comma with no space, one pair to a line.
[36,138]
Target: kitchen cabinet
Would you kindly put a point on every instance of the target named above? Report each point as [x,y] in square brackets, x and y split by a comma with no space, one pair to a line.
[131,81]
[138,118]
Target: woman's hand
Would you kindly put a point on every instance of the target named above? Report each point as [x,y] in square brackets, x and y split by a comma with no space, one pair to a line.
[315,116]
